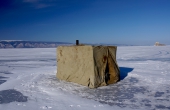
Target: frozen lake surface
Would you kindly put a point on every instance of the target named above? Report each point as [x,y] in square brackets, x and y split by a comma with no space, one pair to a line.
[28,81]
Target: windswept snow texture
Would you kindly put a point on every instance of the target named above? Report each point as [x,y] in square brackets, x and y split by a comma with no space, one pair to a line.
[28,81]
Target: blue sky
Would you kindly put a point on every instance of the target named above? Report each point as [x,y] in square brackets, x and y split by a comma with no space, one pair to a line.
[133,22]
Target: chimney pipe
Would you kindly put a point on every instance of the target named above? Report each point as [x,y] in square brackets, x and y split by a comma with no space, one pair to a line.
[77,42]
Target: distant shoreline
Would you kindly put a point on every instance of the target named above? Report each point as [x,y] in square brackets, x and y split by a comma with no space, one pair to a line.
[31,44]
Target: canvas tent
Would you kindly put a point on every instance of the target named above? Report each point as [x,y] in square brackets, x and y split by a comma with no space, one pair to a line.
[91,66]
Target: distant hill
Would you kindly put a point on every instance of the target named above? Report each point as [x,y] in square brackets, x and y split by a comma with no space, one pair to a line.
[41,44]
[30,44]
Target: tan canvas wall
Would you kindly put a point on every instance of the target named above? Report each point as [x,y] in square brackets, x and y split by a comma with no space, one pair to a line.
[87,65]
[105,63]
[75,64]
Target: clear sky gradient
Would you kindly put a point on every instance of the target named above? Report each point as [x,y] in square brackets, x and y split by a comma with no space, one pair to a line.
[135,22]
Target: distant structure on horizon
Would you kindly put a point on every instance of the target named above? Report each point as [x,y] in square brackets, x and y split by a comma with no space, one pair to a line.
[158,44]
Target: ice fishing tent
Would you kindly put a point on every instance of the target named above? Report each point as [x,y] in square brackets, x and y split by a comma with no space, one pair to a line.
[91,66]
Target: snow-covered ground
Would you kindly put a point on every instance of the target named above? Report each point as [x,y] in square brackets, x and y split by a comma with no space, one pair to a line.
[28,82]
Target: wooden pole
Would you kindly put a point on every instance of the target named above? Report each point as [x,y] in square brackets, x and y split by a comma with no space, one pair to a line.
[77,42]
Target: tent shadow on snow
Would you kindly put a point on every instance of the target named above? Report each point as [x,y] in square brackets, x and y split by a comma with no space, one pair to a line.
[124,72]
